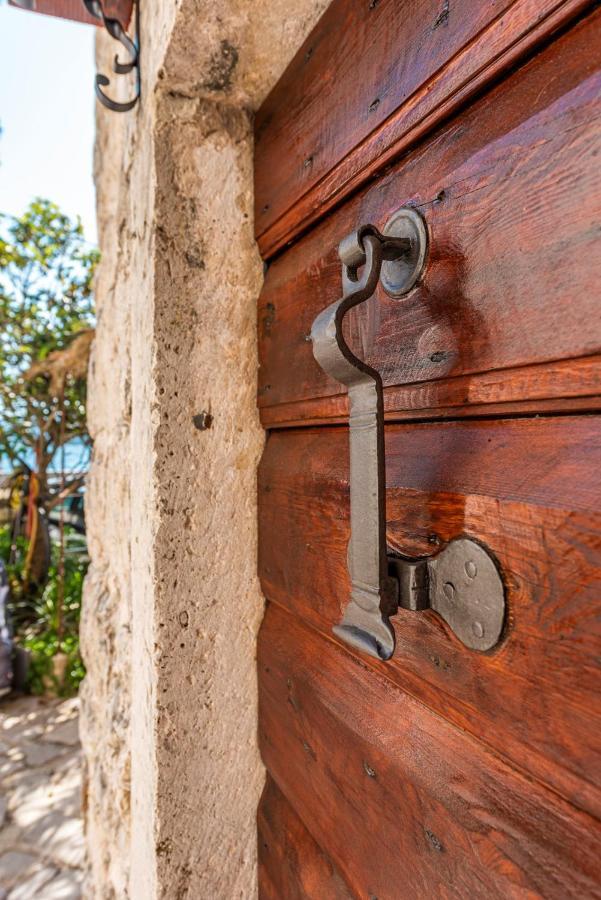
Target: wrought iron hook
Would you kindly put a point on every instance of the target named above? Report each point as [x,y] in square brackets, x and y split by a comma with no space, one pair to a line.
[116,31]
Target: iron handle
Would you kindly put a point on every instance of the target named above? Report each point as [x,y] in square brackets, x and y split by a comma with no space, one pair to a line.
[461,583]
[366,621]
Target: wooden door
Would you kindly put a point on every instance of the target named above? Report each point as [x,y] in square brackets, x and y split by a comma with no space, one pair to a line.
[443,771]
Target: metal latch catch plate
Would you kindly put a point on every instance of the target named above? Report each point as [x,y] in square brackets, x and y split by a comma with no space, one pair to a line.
[462,584]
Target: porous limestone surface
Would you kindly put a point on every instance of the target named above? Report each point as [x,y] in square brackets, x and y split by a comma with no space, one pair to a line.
[41,833]
[172,602]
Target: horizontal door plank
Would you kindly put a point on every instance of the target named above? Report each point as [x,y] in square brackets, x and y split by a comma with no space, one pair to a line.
[404,804]
[509,190]
[292,866]
[370,81]
[567,385]
[531,491]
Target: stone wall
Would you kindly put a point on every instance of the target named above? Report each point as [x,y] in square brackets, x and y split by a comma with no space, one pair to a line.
[172,602]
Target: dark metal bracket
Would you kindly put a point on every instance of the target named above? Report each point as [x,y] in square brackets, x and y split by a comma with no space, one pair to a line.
[461,583]
[132,47]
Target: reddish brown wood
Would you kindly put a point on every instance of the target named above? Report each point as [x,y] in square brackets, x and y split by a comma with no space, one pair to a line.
[370,81]
[292,866]
[404,804]
[564,386]
[531,491]
[75,10]
[510,193]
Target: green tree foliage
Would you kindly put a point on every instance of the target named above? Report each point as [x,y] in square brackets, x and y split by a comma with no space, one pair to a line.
[46,322]
[50,633]
[46,270]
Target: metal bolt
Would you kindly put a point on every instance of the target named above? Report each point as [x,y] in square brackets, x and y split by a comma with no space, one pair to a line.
[309,749]
[436,844]
[470,569]
[202,420]
[449,590]
[478,629]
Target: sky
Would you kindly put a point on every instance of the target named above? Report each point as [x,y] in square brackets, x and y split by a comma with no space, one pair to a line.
[47,117]
[47,114]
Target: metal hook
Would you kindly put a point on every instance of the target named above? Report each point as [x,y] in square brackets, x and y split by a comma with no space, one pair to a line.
[113,105]
[116,31]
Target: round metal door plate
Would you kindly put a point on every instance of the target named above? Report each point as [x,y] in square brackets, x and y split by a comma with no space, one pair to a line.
[467,591]
[399,276]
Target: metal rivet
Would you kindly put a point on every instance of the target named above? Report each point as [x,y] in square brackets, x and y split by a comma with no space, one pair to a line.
[309,749]
[439,356]
[449,590]
[478,629]
[436,844]
[202,420]
[470,569]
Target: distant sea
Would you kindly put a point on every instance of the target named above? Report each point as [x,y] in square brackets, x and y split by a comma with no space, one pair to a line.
[77,457]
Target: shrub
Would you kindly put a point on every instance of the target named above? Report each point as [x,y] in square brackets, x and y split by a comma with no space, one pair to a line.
[49,631]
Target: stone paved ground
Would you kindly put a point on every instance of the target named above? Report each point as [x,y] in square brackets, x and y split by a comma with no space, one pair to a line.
[41,838]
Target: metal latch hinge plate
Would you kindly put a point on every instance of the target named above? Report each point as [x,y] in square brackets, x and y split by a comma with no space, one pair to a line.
[462,584]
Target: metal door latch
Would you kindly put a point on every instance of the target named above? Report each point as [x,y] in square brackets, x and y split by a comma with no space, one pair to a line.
[461,582]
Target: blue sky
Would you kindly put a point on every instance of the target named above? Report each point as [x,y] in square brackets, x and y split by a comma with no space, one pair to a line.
[47,116]
[46,113]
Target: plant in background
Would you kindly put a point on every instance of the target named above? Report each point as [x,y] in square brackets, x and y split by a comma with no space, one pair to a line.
[46,318]
[50,632]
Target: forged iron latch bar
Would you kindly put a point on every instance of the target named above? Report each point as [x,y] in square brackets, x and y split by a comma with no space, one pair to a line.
[461,583]
[373,599]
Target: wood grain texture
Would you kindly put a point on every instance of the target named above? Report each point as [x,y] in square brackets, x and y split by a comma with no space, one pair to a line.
[404,804]
[510,193]
[292,866]
[75,10]
[562,386]
[531,491]
[370,81]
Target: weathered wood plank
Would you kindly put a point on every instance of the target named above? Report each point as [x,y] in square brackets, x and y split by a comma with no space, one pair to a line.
[370,81]
[510,193]
[404,804]
[75,10]
[531,491]
[292,866]
[562,386]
